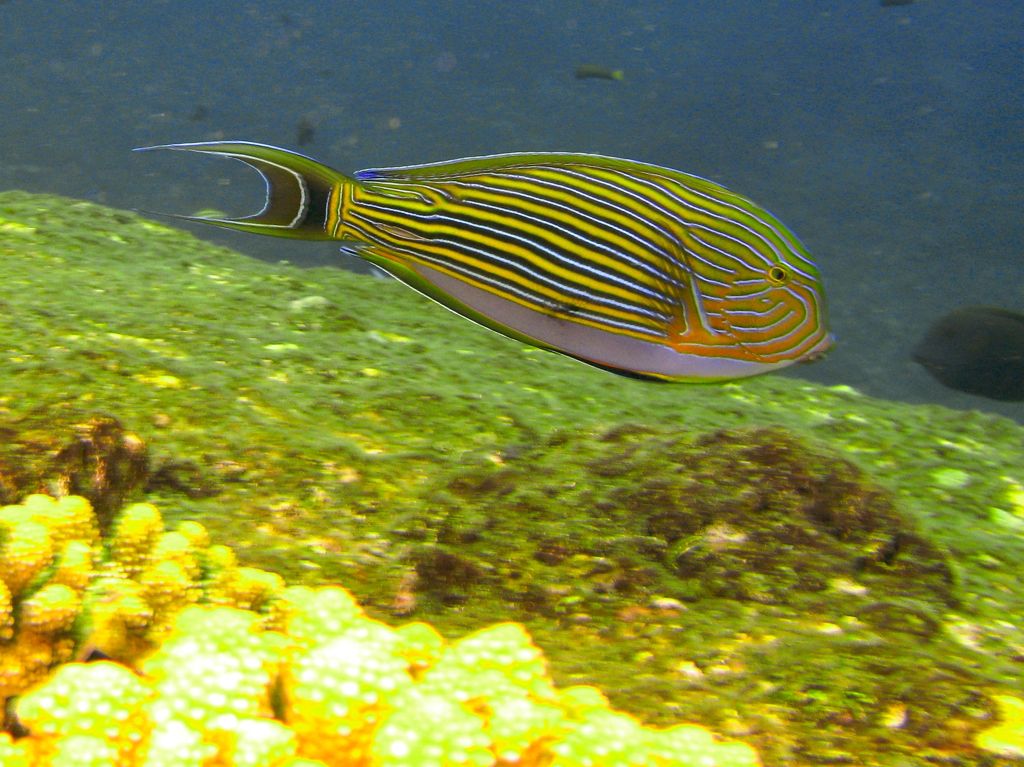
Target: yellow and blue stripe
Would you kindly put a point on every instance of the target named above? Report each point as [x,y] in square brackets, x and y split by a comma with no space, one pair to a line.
[632,267]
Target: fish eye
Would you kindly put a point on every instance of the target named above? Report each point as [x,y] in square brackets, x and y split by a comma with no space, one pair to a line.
[778,275]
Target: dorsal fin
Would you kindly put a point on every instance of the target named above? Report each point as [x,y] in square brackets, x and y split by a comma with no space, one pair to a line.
[512,160]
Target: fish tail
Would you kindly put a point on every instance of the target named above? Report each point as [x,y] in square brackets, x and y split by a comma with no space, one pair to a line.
[299,190]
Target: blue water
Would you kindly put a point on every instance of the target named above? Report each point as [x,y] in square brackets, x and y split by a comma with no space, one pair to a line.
[890,139]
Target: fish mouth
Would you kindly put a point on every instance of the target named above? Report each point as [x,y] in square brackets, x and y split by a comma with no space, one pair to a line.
[820,349]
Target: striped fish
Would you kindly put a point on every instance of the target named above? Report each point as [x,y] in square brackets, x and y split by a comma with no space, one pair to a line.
[638,269]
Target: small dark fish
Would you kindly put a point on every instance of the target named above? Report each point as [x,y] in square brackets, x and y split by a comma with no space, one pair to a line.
[888,3]
[978,350]
[592,71]
[199,114]
[305,132]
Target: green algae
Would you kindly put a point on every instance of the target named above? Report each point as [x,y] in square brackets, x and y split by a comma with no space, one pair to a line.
[744,563]
[335,426]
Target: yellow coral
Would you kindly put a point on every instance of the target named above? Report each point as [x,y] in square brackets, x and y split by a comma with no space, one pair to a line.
[255,742]
[500,658]
[430,729]
[74,565]
[135,533]
[337,692]
[67,518]
[56,577]
[247,587]
[1007,737]
[83,751]
[581,698]
[522,728]
[420,644]
[50,610]
[15,754]
[174,744]
[100,700]
[178,548]
[37,529]
[209,695]
[6,613]
[309,614]
[221,559]
[27,549]
[117,617]
[605,737]
[690,744]
[195,534]
[29,659]
[167,589]
[310,682]
[35,620]
[214,665]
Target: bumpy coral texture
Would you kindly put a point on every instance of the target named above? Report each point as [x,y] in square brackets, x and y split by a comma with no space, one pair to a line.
[307,680]
[1007,737]
[64,591]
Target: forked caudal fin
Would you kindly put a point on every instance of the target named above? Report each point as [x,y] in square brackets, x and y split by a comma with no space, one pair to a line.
[298,189]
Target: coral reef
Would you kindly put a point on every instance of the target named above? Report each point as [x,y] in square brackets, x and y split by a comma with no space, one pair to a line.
[63,451]
[45,564]
[1007,737]
[323,422]
[309,680]
[734,556]
[64,590]
[754,515]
